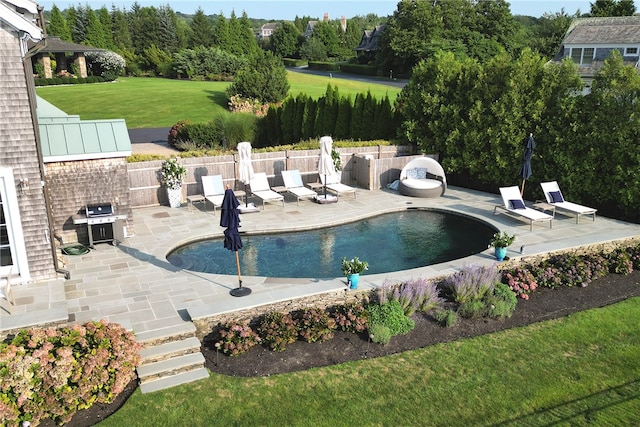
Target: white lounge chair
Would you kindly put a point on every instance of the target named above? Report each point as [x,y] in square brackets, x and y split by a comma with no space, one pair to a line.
[335,186]
[422,177]
[514,205]
[213,189]
[260,188]
[554,197]
[294,185]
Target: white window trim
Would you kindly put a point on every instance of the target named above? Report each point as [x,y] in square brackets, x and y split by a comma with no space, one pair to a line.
[627,53]
[14,225]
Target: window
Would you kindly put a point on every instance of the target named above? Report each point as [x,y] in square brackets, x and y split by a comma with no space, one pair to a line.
[12,248]
[582,55]
[587,55]
[576,54]
[629,51]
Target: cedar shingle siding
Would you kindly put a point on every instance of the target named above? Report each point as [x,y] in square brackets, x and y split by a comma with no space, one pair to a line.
[18,150]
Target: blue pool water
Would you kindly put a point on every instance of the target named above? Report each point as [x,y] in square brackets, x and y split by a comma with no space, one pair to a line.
[389,242]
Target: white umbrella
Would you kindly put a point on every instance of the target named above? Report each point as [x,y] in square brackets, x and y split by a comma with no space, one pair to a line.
[245,168]
[325,165]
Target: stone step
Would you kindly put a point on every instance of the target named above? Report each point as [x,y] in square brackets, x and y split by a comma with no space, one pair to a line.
[174,380]
[163,368]
[169,349]
[179,330]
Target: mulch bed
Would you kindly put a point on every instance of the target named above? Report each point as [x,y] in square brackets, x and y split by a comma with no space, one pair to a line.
[544,304]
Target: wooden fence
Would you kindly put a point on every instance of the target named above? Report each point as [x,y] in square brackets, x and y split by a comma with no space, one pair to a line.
[365,167]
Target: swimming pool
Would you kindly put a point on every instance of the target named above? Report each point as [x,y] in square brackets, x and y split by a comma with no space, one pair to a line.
[388,242]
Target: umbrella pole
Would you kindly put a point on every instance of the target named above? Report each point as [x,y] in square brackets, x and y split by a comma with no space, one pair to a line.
[239,291]
[246,202]
[238,265]
[522,189]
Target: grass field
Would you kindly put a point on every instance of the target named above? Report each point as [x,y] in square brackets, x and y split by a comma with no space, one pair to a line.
[154,102]
[580,370]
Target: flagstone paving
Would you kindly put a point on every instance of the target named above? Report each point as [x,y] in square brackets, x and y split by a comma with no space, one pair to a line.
[133,283]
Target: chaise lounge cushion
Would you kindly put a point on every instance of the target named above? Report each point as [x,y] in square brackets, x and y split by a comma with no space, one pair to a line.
[556,197]
[517,204]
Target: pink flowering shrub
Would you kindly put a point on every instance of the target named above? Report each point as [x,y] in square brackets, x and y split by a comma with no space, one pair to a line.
[54,372]
[316,325]
[278,330]
[351,317]
[237,338]
[520,280]
[238,104]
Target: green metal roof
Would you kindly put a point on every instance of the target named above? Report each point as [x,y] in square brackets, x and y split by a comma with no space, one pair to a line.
[65,137]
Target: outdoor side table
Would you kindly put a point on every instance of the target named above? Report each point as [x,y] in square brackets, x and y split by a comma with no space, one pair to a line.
[315,186]
[544,207]
[195,198]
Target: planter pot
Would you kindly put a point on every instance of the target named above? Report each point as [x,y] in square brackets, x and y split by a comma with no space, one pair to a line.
[353,280]
[501,253]
[175,197]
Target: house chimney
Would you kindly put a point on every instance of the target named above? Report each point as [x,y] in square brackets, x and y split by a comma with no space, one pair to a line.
[326,17]
[343,23]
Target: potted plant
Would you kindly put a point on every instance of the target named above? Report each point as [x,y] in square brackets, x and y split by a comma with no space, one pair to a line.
[500,241]
[352,269]
[171,175]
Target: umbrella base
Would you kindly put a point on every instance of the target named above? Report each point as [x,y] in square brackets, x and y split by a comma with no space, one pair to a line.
[240,292]
[248,208]
[329,198]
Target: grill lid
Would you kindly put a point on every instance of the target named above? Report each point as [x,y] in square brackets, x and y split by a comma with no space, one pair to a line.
[99,209]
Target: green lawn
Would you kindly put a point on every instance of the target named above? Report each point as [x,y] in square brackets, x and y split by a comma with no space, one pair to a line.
[154,102]
[576,371]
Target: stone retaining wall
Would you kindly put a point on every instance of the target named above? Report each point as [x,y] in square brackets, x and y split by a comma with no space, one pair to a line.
[206,325]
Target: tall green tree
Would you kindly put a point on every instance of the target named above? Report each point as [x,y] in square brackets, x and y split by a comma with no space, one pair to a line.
[221,33]
[57,25]
[95,33]
[121,34]
[549,32]
[327,34]
[77,20]
[604,8]
[201,30]
[264,78]
[105,20]
[247,37]
[286,40]
[166,29]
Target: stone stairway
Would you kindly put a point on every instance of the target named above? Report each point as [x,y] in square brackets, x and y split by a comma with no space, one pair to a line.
[170,356]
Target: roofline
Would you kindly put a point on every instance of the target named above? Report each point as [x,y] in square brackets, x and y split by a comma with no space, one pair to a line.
[19,23]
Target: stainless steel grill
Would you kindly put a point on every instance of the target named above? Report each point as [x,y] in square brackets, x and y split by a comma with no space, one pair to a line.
[103,224]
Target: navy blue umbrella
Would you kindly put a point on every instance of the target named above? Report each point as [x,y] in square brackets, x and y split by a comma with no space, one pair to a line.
[230,218]
[525,170]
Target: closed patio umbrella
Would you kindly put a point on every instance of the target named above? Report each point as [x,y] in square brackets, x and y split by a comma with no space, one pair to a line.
[245,168]
[525,170]
[325,164]
[230,218]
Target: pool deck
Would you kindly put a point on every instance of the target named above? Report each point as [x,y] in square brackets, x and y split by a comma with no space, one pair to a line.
[133,284]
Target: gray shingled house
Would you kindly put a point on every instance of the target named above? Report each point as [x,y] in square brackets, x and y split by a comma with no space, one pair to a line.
[590,41]
[51,166]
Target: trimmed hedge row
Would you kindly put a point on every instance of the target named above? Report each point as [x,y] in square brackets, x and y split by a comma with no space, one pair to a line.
[69,80]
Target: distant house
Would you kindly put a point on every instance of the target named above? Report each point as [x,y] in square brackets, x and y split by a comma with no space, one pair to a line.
[267,30]
[590,41]
[64,52]
[370,43]
[312,24]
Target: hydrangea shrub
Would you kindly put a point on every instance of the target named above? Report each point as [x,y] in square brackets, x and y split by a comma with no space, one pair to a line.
[54,372]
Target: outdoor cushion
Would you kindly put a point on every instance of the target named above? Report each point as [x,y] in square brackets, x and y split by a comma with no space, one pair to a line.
[517,204]
[421,173]
[556,197]
[412,173]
